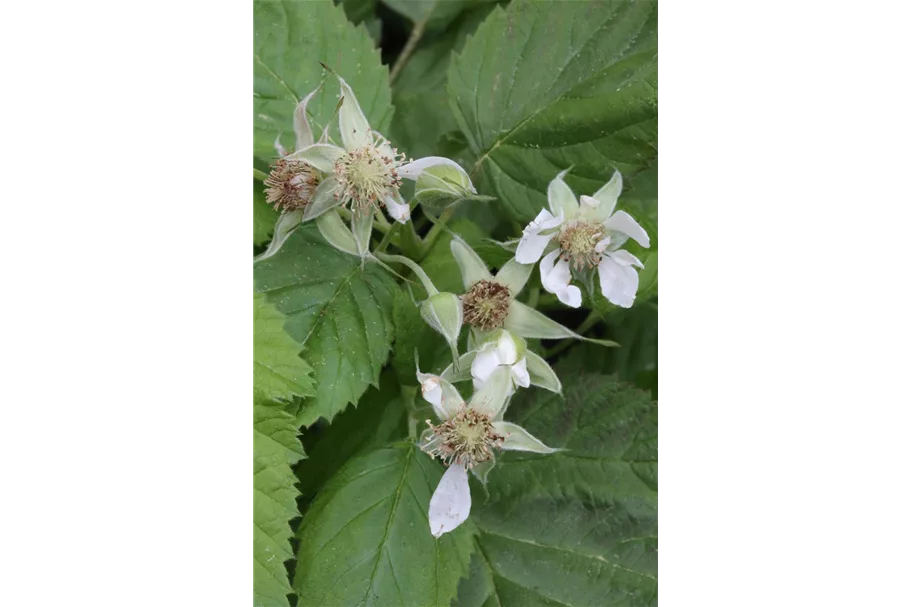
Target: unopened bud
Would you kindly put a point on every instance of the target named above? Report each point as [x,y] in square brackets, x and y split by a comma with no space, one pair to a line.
[441,185]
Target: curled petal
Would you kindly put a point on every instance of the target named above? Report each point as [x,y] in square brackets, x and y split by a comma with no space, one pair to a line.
[441,394]
[625,258]
[618,282]
[520,373]
[398,209]
[555,277]
[622,222]
[451,501]
[533,243]
[483,366]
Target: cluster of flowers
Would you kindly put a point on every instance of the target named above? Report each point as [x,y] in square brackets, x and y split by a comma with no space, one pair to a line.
[364,175]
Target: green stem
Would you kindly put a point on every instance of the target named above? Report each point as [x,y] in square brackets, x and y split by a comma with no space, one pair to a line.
[387,238]
[408,394]
[257,174]
[410,46]
[438,226]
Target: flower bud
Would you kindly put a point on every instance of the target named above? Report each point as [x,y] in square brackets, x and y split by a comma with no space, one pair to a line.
[441,185]
[443,312]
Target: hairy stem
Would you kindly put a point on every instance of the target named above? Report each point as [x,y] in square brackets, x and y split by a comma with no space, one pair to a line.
[416,33]
[438,226]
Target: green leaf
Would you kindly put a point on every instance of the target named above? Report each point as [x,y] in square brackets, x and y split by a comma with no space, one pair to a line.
[264,216]
[340,313]
[278,371]
[420,97]
[412,333]
[378,420]
[578,527]
[275,450]
[289,40]
[542,86]
[366,539]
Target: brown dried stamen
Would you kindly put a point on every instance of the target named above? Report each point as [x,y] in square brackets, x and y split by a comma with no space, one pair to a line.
[290,184]
[486,305]
[578,240]
[466,439]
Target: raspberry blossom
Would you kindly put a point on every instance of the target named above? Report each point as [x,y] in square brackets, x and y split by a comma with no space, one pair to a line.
[489,302]
[468,435]
[573,236]
[364,174]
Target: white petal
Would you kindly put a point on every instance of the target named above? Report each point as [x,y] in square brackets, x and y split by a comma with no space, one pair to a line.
[483,366]
[561,199]
[607,196]
[520,374]
[622,222]
[413,169]
[302,124]
[320,155]
[451,502]
[400,212]
[441,394]
[555,277]
[279,147]
[506,349]
[532,244]
[618,282]
[431,391]
[470,263]
[602,244]
[625,258]
[351,120]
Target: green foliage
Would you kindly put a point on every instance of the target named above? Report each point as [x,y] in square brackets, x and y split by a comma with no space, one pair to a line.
[514,92]
[578,527]
[290,39]
[279,374]
[542,86]
[338,312]
[366,539]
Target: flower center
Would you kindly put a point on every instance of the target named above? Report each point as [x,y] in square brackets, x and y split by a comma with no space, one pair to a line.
[578,240]
[290,184]
[368,174]
[486,305]
[466,439]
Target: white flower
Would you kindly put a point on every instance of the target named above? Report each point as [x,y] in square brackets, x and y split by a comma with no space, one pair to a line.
[468,435]
[584,236]
[365,172]
[500,352]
